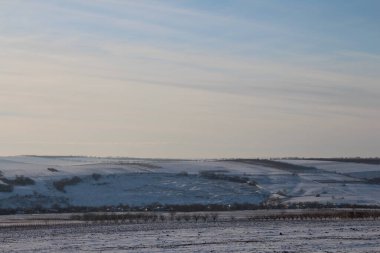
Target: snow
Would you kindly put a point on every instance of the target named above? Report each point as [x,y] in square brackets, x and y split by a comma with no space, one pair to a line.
[146,181]
[359,170]
[139,189]
[259,236]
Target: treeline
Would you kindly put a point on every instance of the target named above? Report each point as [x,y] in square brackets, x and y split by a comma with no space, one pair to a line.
[321,215]
[292,168]
[144,217]
[375,180]
[329,214]
[156,207]
[371,160]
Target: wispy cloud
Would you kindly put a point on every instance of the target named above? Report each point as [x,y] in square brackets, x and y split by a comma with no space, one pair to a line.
[163,71]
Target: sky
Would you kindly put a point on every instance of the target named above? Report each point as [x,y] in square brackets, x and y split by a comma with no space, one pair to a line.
[190,79]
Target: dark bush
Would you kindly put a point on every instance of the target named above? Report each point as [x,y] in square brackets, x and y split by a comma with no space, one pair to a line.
[96,176]
[374,160]
[231,178]
[75,217]
[19,180]
[375,180]
[292,168]
[121,217]
[204,217]
[214,216]
[6,188]
[61,184]
[196,217]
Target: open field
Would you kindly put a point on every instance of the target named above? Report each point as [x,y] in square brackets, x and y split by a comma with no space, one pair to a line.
[227,236]
[32,184]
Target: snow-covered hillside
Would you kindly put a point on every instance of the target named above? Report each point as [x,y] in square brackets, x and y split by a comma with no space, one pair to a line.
[30,181]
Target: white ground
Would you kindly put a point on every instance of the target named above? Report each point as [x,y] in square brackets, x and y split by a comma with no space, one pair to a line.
[266,236]
[358,170]
[146,181]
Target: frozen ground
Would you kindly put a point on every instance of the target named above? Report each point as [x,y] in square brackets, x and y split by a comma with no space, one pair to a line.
[260,236]
[139,182]
[357,170]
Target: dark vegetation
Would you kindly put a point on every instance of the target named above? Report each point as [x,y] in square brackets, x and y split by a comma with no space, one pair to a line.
[375,180]
[143,217]
[185,208]
[56,156]
[96,176]
[7,185]
[292,168]
[145,165]
[375,160]
[121,218]
[310,214]
[212,175]
[6,188]
[321,215]
[328,214]
[18,181]
[62,183]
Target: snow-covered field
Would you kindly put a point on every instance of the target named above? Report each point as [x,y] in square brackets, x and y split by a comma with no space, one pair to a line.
[138,182]
[357,170]
[259,236]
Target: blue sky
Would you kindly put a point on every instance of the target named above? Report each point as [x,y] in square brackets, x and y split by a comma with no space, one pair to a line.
[190,78]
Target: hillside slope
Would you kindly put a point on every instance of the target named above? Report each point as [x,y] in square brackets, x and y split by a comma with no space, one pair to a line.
[31,181]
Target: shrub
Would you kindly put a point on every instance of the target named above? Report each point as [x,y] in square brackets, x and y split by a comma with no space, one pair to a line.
[96,176]
[204,217]
[292,168]
[61,184]
[75,217]
[196,217]
[231,178]
[214,216]
[6,187]
[52,170]
[375,180]
[19,180]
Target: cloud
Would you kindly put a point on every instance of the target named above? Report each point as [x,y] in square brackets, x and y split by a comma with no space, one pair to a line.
[121,72]
[139,63]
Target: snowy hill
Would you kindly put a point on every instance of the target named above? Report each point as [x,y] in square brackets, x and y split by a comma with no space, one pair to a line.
[31,181]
